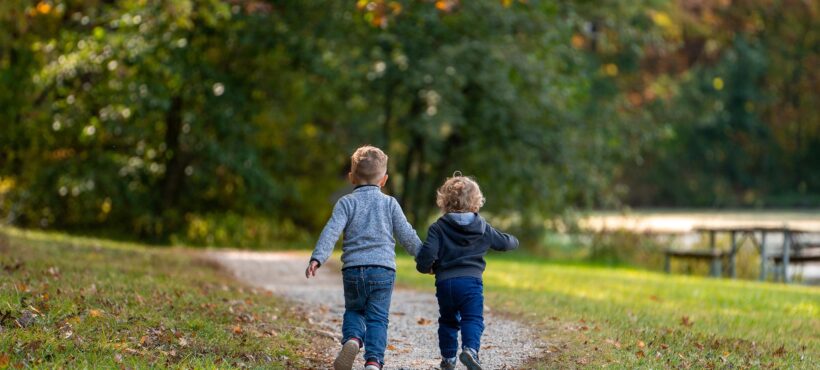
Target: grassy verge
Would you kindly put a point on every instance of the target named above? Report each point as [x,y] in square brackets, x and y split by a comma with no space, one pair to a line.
[598,316]
[77,302]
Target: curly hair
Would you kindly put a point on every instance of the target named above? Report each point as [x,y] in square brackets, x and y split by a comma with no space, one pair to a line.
[368,163]
[459,194]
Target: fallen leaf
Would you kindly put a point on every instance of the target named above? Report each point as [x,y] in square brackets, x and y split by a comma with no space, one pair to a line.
[423,321]
[685,321]
[183,342]
[614,343]
[95,313]
[54,271]
[726,354]
[698,345]
[66,331]
[118,358]
[654,298]
[582,361]
[664,346]
[640,354]
[237,329]
[641,344]
[4,361]
[26,319]
[391,347]
[780,352]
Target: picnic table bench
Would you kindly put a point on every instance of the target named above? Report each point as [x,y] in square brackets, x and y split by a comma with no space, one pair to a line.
[715,257]
[793,251]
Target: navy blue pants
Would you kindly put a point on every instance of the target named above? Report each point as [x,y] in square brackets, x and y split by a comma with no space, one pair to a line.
[367,303]
[461,306]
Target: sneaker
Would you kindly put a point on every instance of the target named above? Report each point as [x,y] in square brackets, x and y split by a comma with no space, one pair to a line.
[372,365]
[469,357]
[448,363]
[344,361]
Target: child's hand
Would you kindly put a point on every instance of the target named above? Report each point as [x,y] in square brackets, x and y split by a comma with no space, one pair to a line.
[311,269]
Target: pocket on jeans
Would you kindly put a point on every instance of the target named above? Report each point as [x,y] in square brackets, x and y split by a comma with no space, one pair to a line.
[380,290]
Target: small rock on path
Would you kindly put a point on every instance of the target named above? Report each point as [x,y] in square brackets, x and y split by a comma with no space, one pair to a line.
[412,333]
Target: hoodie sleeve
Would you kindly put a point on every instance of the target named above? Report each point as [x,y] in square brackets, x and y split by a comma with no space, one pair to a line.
[403,231]
[428,253]
[501,241]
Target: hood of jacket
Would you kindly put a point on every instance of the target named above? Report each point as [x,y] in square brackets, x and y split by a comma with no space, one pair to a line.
[463,235]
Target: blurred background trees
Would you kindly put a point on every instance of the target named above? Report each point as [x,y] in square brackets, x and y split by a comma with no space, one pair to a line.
[231,121]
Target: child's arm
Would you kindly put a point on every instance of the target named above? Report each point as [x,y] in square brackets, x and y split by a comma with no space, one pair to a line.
[501,241]
[428,253]
[403,231]
[327,240]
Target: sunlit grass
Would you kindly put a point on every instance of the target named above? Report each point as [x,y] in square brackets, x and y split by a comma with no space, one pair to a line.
[626,316]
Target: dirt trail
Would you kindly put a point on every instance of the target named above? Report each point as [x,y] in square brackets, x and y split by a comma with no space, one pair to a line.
[412,337]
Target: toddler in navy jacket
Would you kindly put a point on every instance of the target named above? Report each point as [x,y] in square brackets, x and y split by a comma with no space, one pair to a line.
[454,251]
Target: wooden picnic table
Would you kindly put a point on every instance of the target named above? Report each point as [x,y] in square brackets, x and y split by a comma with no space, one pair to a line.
[738,235]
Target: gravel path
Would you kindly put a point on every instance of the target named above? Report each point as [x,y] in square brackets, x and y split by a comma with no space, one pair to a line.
[412,338]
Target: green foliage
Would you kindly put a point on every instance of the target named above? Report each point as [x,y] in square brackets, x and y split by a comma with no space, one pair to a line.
[739,124]
[138,117]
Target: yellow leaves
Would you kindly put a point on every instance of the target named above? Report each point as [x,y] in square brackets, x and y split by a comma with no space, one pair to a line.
[665,23]
[379,12]
[395,7]
[43,7]
[447,6]
[237,329]
[99,33]
[310,130]
[641,344]
[578,41]
[661,19]
[717,83]
[6,184]
[106,206]
[95,312]
[506,3]
[611,69]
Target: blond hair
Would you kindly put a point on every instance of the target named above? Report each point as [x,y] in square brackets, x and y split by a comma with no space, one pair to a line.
[459,194]
[368,164]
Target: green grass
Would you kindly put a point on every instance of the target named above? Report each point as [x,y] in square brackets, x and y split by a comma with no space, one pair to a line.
[78,303]
[595,316]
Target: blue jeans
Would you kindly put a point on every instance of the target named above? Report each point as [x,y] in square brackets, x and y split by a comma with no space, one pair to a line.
[368,291]
[461,305]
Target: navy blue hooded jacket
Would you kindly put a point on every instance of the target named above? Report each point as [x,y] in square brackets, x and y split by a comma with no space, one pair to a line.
[454,250]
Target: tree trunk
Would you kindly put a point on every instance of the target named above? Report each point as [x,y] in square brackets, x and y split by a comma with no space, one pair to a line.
[171,183]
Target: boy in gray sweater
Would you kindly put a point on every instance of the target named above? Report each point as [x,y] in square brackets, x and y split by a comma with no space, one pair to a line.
[369,220]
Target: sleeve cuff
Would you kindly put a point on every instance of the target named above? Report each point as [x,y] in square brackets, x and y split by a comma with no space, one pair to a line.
[317,261]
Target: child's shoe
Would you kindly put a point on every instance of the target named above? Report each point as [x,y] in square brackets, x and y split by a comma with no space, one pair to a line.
[344,360]
[448,363]
[372,364]
[469,357]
